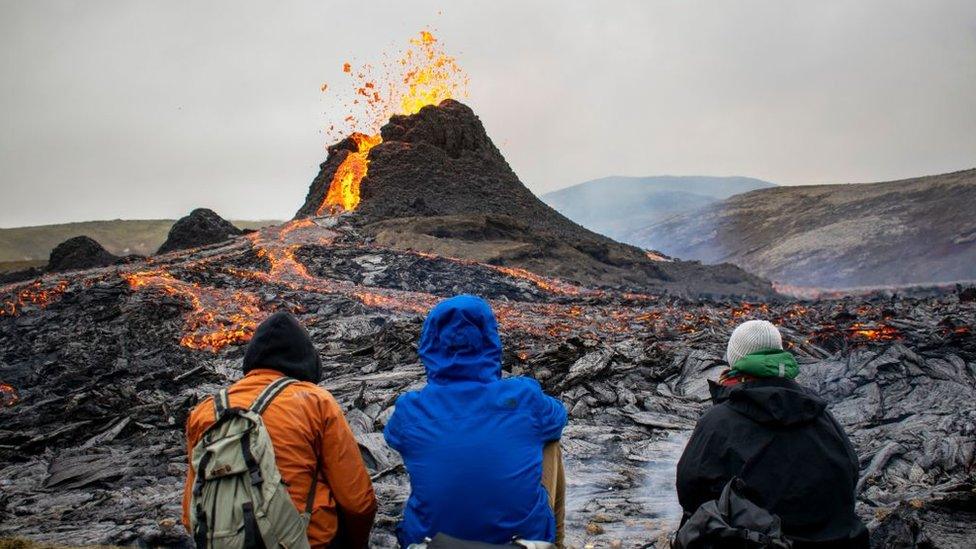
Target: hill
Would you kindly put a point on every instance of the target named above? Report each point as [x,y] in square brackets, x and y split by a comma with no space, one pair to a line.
[437,184]
[918,230]
[119,236]
[617,206]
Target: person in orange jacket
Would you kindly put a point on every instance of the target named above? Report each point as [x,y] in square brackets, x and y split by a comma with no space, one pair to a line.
[309,433]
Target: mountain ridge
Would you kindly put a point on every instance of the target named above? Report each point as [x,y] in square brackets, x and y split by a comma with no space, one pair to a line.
[616,206]
[908,231]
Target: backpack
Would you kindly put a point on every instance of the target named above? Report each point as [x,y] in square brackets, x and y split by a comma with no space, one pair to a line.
[731,521]
[238,498]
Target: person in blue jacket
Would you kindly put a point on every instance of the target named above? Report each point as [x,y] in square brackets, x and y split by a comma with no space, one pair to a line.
[471,441]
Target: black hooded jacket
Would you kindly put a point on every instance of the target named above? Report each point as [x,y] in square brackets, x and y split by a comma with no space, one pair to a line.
[281,343]
[792,454]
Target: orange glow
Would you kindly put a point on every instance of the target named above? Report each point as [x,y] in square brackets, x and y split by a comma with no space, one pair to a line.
[654,256]
[423,75]
[749,309]
[8,395]
[549,284]
[881,333]
[343,192]
[205,327]
[33,294]
[430,75]
[226,312]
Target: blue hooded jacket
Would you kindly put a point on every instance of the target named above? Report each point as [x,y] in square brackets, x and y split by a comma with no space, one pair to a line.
[471,441]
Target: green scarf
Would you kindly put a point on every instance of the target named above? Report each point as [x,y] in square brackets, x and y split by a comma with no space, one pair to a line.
[768,363]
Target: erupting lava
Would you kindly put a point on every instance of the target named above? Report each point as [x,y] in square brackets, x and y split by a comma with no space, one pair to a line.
[343,193]
[426,76]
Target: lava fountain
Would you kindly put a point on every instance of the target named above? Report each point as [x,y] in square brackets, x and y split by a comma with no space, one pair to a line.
[423,75]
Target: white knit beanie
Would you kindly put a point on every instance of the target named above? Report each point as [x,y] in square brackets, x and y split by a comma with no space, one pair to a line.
[752,336]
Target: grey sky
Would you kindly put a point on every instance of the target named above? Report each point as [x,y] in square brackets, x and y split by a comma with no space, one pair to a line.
[139,109]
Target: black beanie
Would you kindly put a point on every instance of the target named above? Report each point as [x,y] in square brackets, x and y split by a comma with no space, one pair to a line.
[281,343]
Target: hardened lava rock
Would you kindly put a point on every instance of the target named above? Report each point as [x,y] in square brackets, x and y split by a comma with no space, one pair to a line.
[80,252]
[200,228]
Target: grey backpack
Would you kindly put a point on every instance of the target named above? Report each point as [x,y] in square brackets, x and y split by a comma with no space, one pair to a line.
[238,498]
[731,521]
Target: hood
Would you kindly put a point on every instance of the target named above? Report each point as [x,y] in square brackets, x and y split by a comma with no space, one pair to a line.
[459,342]
[281,343]
[768,363]
[772,401]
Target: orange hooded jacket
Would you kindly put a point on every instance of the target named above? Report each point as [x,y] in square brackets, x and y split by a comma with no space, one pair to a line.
[309,433]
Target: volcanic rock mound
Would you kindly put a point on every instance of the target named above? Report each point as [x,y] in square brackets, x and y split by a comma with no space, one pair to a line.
[80,252]
[202,227]
[438,184]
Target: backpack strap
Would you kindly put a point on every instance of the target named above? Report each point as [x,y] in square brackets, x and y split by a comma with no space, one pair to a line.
[310,501]
[220,403]
[201,533]
[261,403]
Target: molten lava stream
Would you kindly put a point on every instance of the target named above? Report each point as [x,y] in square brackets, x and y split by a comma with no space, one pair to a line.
[221,317]
[343,192]
[218,317]
[33,293]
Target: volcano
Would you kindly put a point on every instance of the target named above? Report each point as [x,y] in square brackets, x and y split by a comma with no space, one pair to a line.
[436,183]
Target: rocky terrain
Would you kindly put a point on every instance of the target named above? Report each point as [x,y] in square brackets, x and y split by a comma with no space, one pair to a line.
[618,206]
[919,230]
[436,182]
[100,367]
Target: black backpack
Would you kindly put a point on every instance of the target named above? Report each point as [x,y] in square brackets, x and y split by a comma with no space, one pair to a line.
[731,522]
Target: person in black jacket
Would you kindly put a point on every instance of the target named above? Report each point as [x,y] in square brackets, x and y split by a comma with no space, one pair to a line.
[779,438]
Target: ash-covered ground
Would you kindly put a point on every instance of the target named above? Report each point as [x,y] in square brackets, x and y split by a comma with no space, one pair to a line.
[102,365]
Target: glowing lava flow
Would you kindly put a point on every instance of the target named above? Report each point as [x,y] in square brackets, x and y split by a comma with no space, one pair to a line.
[427,76]
[221,316]
[879,333]
[226,307]
[211,324]
[32,294]
[343,192]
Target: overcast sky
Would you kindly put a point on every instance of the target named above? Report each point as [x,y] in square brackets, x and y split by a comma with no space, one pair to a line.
[138,109]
